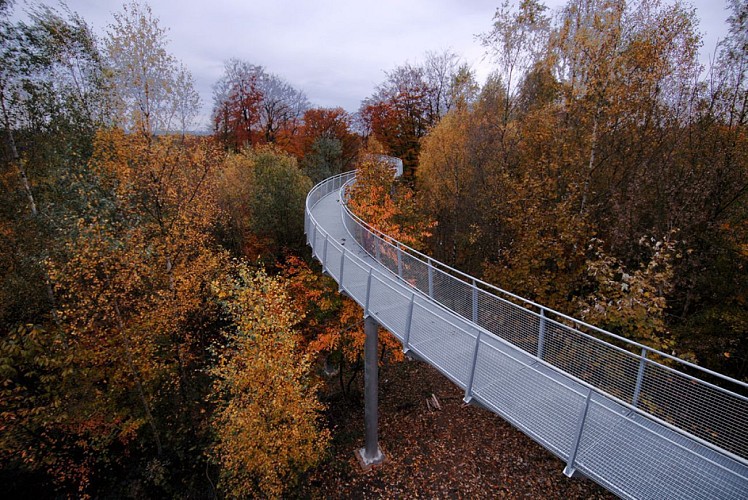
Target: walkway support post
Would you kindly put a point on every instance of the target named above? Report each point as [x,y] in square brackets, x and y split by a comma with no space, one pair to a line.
[469,385]
[371,454]
[431,279]
[341,286]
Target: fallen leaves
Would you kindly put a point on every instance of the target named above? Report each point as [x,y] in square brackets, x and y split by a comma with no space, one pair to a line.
[436,446]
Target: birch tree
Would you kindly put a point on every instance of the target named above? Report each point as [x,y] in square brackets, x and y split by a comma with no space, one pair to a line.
[152,91]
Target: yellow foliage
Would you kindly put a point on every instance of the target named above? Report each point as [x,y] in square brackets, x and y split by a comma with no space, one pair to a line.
[631,303]
[266,424]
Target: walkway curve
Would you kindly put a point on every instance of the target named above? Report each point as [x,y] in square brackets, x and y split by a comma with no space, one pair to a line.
[629,417]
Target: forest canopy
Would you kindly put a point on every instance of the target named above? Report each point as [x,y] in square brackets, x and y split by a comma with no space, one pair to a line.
[162,324]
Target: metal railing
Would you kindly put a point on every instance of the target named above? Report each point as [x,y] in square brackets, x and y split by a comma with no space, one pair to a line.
[603,374]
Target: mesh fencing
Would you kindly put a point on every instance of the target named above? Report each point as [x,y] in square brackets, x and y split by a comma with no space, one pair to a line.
[624,406]
[610,364]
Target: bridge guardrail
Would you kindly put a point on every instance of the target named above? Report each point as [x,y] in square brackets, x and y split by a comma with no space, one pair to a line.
[686,406]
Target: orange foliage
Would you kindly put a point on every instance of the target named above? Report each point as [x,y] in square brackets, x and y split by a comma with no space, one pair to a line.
[266,422]
[134,295]
[333,323]
[239,113]
[385,205]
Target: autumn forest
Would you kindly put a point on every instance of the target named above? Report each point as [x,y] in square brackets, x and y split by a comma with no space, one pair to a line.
[164,330]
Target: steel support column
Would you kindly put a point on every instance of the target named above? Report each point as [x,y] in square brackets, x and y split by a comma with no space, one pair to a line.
[370,454]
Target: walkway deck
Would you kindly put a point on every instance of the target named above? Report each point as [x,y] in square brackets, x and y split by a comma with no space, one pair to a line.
[620,447]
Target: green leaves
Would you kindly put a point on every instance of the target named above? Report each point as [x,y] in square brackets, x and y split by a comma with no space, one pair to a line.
[264,192]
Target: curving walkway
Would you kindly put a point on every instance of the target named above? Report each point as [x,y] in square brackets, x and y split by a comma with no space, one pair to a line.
[609,408]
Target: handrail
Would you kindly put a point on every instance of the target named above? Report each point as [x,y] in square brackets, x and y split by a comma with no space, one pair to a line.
[669,405]
[470,280]
[650,371]
[571,377]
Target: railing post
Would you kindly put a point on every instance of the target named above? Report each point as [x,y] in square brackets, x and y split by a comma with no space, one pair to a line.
[314,242]
[408,324]
[368,294]
[341,287]
[431,279]
[399,262]
[324,255]
[469,386]
[569,469]
[475,303]
[377,247]
[639,378]
[541,334]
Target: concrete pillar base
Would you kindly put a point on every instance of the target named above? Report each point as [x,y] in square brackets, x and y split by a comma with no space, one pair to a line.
[368,463]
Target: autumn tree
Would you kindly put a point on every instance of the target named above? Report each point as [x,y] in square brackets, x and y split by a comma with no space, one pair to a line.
[411,100]
[134,291]
[710,281]
[445,183]
[387,206]
[120,368]
[277,203]
[332,324]
[449,82]
[595,134]
[324,159]
[186,100]
[52,98]
[236,101]
[397,115]
[281,109]
[113,279]
[264,191]
[326,144]
[266,423]
[516,42]
[252,106]
[152,92]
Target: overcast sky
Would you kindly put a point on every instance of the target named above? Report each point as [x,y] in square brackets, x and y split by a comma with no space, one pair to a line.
[336,51]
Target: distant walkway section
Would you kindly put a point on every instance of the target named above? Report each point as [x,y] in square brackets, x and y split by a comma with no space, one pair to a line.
[639,422]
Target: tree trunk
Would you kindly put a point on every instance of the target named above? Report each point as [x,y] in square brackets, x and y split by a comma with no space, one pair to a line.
[590,166]
[15,159]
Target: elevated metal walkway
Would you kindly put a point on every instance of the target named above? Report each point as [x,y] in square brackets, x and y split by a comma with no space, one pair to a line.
[628,417]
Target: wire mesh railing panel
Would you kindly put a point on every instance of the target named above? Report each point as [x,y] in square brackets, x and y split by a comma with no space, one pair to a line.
[613,449]
[602,365]
[452,293]
[493,368]
[387,255]
[547,411]
[515,325]
[415,272]
[700,409]
[355,277]
[444,345]
[332,261]
[421,326]
[389,307]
